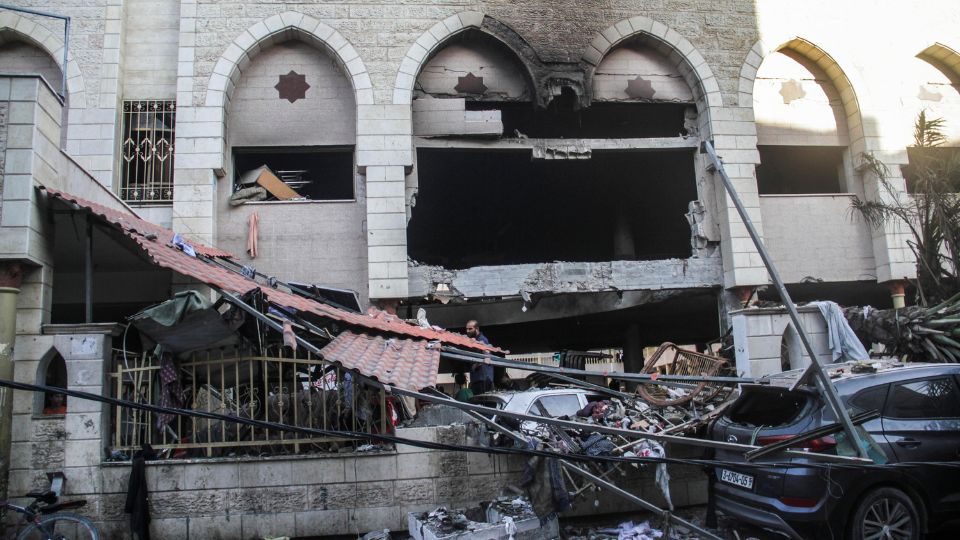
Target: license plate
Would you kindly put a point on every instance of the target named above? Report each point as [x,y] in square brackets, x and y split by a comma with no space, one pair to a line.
[737,479]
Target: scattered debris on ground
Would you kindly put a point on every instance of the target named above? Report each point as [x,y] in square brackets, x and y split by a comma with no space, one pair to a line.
[502,519]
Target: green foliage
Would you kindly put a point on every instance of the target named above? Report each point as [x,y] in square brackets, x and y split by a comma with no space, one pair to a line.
[931,213]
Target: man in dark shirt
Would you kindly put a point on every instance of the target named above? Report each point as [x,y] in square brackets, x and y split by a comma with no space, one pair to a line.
[481,375]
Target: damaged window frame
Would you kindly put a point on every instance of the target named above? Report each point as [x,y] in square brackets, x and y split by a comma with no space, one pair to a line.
[479,121]
[275,185]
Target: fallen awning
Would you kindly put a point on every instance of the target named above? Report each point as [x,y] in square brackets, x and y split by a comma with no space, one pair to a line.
[157,244]
[404,363]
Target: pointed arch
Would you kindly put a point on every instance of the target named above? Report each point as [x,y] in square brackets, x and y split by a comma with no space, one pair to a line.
[276,29]
[846,83]
[944,58]
[51,371]
[433,40]
[15,27]
[676,48]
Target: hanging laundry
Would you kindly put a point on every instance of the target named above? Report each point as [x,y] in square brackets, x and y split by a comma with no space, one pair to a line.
[253,226]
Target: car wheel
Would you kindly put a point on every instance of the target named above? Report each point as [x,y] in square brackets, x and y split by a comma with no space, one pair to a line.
[885,514]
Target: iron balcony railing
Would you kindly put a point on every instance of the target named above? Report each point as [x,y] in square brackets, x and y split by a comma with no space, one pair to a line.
[304,392]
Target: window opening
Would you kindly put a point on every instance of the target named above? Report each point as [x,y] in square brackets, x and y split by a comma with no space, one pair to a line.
[930,163]
[599,121]
[932,398]
[55,375]
[311,172]
[795,170]
[147,151]
[556,406]
[497,207]
[871,399]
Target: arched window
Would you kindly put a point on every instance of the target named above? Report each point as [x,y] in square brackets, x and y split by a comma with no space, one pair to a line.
[791,355]
[53,372]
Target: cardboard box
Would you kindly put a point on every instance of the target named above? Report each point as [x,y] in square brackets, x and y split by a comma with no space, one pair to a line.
[269,181]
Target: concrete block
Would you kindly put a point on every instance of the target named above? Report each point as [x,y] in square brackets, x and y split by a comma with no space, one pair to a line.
[114,479]
[260,525]
[386,190]
[370,468]
[320,522]
[211,476]
[83,425]
[471,18]
[265,473]
[215,527]
[16,213]
[83,480]
[82,453]
[24,88]
[291,18]
[18,161]
[187,503]
[372,519]
[322,471]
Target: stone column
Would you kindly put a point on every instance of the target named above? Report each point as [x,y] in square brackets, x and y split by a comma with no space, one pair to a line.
[10,277]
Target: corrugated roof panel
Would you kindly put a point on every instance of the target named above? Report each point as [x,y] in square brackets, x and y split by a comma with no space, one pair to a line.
[156,243]
[405,363]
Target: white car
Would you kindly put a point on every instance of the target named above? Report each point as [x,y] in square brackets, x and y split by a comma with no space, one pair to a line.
[552,403]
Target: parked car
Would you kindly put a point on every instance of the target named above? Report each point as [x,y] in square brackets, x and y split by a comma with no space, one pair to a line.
[919,423]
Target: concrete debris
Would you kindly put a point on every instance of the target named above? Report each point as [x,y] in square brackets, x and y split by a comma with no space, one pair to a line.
[502,519]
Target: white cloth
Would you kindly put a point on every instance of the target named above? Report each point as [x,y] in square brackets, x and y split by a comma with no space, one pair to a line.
[844,343]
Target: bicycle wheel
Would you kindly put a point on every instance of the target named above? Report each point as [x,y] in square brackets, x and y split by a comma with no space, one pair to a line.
[61,527]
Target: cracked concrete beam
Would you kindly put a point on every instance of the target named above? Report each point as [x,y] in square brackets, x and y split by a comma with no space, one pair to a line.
[566,277]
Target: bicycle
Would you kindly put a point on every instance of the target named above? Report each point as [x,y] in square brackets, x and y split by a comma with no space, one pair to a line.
[46,522]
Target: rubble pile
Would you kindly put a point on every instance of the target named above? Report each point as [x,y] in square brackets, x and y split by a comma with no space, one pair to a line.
[503,519]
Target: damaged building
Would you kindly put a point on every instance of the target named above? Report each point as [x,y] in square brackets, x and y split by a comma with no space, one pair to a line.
[537,166]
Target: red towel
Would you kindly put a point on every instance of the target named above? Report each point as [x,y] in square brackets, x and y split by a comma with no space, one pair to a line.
[253,224]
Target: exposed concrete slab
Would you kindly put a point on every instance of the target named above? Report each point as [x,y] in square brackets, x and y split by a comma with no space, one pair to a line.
[565,277]
[519,143]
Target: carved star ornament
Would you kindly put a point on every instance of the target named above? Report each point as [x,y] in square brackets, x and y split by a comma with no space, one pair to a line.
[292,86]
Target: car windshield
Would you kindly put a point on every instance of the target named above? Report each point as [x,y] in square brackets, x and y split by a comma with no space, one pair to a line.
[554,406]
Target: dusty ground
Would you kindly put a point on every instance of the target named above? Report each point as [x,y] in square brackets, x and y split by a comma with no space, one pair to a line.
[729,529]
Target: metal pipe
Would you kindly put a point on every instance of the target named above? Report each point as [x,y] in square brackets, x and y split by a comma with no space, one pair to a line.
[646,505]
[670,517]
[823,380]
[669,380]
[66,39]
[88,274]
[233,299]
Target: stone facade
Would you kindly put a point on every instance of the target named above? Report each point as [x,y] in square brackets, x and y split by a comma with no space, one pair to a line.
[307,495]
[767,343]
[381,48]
[366,64]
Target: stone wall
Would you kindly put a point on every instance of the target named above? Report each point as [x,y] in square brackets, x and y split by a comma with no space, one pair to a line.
[766,342]
[798,225]
[248,498]
[717,47]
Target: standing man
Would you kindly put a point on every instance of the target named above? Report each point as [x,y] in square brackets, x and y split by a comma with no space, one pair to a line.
[481,375]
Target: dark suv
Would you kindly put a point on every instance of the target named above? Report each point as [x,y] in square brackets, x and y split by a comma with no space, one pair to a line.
[919,424]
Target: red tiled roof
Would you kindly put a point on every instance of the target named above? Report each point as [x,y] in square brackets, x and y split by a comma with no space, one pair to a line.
[405,363]
[156,243]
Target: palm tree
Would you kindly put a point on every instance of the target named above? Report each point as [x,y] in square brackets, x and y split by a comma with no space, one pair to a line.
[931,214]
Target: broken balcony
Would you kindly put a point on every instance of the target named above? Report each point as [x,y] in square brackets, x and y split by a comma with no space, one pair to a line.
[499,207]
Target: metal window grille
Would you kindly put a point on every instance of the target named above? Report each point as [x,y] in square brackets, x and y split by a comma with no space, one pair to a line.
[304,392]
[147,151]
